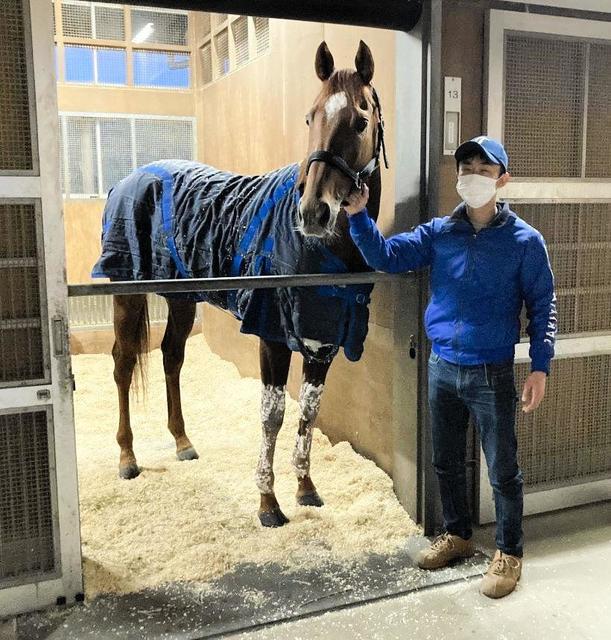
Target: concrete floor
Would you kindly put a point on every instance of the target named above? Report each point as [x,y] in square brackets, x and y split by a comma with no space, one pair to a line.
[564,593]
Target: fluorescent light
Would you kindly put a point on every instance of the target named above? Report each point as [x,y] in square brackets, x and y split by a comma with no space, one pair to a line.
[145,33]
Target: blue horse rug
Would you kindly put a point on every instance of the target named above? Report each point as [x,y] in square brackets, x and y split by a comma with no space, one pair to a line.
[177,219]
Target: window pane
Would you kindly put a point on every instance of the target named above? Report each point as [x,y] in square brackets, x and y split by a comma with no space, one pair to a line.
[206,51]
[111,66]
[115,142]
[163,139]
[76,21]
[239,30]
[78,63]
[82,157]
[262,33]
[109,23]
[598,154]
[159,28]
[161,69]
[544,92]
[221,44]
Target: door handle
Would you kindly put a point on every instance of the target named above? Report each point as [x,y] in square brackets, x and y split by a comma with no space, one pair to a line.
[60,336]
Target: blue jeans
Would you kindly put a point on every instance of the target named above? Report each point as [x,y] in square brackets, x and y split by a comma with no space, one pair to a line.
[488,392]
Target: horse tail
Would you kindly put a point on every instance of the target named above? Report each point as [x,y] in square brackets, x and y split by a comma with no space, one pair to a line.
[142,340]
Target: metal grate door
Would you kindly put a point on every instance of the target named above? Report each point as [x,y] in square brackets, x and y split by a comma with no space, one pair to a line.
[27,502]
[22,317]
[39,535]
[548,100]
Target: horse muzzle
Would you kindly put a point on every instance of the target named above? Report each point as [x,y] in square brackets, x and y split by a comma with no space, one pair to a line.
[316,219]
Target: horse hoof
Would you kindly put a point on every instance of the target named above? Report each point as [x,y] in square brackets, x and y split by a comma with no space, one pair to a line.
[310,500]
[187,454]
[273,518]
[129,471]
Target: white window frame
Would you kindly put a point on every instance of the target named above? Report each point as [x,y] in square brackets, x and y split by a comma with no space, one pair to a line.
[132,117]
[227,24]
[540,188]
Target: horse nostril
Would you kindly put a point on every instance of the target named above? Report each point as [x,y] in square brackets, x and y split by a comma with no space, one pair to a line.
[325,216]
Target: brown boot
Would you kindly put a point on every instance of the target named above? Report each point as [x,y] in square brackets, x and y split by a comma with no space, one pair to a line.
[443,550]
[502,575]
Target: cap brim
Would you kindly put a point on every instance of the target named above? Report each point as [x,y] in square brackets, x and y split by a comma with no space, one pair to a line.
[470,148]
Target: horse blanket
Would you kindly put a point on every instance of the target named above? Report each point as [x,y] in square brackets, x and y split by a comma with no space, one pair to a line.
[179,219]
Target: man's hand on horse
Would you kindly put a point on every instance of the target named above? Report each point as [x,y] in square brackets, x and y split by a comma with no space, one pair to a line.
[357,200]
[534,390]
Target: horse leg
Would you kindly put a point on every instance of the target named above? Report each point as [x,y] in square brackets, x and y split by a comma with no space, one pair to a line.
[131,335]
[180,322]
[314,375]
[275,359]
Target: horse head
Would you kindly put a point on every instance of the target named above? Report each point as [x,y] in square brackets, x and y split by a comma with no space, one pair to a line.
[346,135]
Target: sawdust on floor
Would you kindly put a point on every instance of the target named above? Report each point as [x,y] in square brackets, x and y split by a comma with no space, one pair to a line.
[196,520]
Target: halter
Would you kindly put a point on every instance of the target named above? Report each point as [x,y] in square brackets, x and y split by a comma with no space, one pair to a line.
[357,177]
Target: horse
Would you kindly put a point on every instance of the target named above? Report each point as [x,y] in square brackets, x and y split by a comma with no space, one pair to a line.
[345,131]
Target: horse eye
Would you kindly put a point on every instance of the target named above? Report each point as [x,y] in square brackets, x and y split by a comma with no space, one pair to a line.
[307,119]
[361,124]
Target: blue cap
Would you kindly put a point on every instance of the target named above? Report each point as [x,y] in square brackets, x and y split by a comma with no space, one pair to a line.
[489,148]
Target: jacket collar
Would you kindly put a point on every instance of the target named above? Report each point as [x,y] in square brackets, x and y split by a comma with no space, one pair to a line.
[502,216]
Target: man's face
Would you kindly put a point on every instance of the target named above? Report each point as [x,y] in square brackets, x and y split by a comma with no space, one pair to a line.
[479,166]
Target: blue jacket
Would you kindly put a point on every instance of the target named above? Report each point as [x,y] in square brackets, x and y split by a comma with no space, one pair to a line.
[178,219]
[478,283]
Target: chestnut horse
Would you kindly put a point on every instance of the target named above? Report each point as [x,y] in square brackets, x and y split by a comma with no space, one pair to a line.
[345,140]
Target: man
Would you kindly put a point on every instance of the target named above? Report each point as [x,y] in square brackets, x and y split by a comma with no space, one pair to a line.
[485,262]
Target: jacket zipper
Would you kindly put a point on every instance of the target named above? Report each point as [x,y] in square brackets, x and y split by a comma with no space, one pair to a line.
[468,274]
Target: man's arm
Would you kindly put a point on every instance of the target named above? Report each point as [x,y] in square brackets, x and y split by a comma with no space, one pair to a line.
[537,287]
[403,252]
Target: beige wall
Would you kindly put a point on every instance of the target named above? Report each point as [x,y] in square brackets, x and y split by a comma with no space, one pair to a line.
[94,99]
[82,226]
[252,121]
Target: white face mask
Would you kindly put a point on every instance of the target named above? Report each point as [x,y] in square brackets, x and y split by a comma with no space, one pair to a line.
[476,190]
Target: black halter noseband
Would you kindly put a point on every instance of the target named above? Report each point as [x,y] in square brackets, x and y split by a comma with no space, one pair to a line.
[357,177]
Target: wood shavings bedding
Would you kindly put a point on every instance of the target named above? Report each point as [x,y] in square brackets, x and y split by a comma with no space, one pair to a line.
[196,520]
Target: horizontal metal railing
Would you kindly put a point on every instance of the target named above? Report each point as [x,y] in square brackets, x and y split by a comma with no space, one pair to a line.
[197,285]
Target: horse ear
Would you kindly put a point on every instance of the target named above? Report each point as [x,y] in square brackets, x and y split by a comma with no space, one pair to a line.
[364,62]
[324,64]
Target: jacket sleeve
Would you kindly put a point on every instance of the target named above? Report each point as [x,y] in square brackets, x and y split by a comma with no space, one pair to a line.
[403,252]
[537,287]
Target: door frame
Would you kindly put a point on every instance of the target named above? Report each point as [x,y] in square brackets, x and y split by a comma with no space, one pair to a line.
[43,185]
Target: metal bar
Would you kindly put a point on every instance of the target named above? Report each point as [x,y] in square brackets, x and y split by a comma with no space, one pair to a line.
[194,285]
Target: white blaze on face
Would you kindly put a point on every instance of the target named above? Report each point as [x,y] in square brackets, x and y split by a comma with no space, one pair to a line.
[335,104]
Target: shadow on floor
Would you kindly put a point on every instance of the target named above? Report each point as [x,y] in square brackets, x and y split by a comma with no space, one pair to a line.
[248,597]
